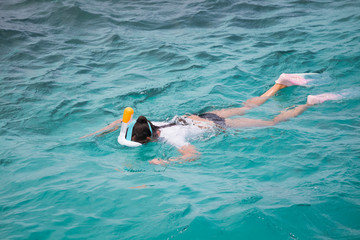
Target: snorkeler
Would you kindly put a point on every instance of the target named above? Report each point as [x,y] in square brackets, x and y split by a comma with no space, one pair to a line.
[180,128]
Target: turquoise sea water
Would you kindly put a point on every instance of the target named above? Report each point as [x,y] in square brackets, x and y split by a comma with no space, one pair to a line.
[69,68]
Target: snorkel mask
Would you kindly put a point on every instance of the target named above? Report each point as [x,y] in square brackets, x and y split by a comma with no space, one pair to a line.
[128,125]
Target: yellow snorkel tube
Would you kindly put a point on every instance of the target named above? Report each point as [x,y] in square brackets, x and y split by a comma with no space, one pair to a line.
[127,119]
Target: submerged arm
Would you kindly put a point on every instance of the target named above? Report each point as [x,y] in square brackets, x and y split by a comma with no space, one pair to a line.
[188,153]
[110,128]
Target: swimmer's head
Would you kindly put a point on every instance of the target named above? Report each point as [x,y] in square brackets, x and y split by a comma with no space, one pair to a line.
[141,132]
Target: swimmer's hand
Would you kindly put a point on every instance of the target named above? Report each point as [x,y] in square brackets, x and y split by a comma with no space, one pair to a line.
[188,154]
[110,128]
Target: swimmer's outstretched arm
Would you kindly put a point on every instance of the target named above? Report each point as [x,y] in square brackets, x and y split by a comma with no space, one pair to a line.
[110,128]
[188,153]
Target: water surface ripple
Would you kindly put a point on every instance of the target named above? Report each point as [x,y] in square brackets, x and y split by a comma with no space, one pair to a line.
[71,67]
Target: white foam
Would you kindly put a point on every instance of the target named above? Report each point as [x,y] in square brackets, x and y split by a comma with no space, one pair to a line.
[350,93]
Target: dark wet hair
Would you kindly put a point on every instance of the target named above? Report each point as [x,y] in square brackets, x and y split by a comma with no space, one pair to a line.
[141,130]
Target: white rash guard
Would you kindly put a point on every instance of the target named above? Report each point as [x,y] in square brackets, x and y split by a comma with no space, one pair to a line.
[178,135]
